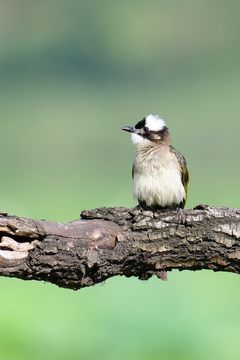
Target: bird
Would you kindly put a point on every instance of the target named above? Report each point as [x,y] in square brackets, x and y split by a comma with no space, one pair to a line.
[160,174]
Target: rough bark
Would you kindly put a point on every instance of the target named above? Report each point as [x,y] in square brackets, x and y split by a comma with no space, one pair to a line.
[117,241]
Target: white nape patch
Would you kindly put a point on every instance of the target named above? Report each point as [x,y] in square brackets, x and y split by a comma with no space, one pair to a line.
[136,139]
[154,122]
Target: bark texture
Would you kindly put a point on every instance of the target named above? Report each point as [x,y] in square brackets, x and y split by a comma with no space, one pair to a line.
[117,241]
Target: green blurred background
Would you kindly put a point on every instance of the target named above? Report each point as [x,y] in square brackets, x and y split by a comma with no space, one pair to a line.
[72,74]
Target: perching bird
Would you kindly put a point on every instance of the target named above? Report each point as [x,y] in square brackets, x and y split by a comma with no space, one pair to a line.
[160,174]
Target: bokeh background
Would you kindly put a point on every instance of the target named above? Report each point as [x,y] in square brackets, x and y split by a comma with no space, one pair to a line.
[72,74]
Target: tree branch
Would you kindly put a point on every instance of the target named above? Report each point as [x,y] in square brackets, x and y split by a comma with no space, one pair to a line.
[117,241]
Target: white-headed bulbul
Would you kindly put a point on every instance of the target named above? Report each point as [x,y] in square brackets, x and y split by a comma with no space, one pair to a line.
[160,174]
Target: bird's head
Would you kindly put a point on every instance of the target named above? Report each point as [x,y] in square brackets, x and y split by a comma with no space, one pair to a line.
[151,128]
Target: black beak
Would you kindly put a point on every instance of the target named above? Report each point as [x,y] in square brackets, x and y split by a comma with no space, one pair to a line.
[128,128]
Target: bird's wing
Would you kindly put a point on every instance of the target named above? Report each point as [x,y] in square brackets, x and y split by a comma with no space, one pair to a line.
[183,166]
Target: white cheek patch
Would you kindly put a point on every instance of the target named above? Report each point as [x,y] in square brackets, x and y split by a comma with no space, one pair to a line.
[156,137]
[155,123]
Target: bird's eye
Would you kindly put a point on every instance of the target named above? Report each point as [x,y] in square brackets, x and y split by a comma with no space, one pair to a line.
[146,128]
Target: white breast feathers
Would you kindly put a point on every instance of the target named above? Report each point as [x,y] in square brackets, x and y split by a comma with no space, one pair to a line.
[157,177]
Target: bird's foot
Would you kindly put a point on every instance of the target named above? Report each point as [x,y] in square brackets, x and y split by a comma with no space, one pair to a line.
[181,216]
[143,206]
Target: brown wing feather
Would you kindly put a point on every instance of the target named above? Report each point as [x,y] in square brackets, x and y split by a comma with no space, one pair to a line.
[184,171]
